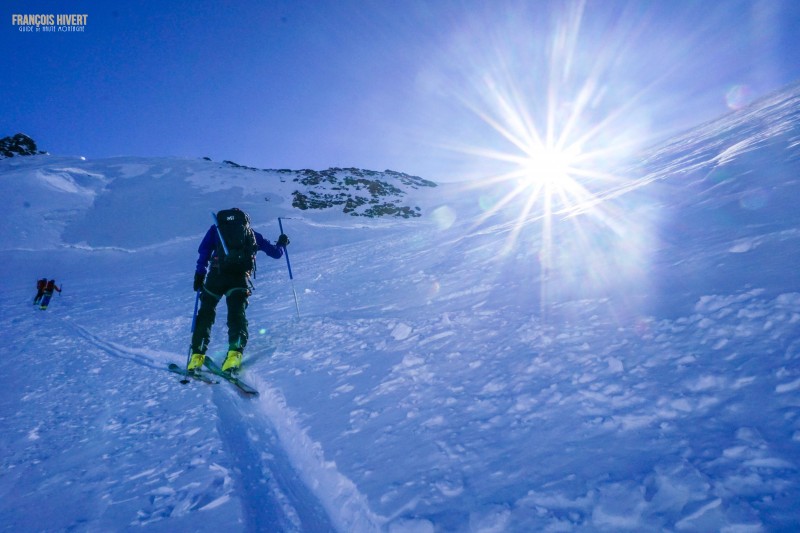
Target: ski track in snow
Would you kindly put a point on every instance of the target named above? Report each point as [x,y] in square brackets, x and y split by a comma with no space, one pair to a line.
[90,438]
[225,446]
[272,496]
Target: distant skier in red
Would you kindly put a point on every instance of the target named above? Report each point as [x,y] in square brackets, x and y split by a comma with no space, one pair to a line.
[48,293]
[40,285]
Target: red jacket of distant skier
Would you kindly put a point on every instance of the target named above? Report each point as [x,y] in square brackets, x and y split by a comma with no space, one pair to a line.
[51,285]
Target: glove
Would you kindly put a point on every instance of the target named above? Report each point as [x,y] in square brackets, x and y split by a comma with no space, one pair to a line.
[283,240]
[199,279]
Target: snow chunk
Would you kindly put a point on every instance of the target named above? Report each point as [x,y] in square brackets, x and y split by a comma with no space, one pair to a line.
[493,520]
[705,383]
[216,503]
[687,523]
[401,332]
[144,473]
[615,365]
[788,387]
[789,299]
[620,507]
[742,246]
[768,462]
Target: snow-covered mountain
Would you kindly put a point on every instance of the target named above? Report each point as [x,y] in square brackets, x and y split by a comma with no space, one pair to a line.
[124,202]
[630,365]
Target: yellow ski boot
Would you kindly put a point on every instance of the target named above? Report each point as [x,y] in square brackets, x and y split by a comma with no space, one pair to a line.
[196,362]
[232,362]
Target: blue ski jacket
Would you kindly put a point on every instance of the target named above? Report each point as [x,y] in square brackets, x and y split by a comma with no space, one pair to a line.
[208,248]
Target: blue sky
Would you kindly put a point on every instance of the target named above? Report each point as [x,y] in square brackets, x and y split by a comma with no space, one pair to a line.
[430,88]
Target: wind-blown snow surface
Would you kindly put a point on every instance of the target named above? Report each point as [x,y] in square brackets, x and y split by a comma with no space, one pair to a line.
[438,379]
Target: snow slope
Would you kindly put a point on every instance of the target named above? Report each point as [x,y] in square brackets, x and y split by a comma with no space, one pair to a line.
[443,375]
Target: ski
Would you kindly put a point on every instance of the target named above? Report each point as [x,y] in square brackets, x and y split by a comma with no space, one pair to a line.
[216,370]
[194,375]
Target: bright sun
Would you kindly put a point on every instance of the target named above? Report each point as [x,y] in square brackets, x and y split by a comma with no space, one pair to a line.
[550,124]
[548,139]
[549,166]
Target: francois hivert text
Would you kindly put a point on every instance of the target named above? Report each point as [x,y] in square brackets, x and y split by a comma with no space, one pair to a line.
[50,22]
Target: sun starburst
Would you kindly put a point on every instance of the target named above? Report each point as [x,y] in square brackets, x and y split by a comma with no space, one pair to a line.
[554,147]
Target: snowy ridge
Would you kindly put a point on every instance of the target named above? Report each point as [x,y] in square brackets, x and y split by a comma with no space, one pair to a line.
[348,509]
[60,201]
[442,377]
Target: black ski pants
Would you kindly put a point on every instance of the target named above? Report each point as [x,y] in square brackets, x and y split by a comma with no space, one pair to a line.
[234,287]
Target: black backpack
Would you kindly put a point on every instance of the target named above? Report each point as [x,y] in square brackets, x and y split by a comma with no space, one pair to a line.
[240,242]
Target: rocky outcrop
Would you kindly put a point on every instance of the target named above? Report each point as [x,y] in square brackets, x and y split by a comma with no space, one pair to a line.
[359,192]
[19,144]
[356,191]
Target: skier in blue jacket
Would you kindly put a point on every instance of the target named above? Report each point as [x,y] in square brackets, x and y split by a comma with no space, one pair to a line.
[231,266]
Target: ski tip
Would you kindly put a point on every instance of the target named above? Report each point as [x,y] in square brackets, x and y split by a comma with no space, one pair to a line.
[248,391]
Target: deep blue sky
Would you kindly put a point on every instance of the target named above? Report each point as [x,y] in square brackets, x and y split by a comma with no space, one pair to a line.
[380,84]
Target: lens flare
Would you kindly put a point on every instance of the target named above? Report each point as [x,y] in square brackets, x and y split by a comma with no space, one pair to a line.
[444,216]
[556,129]
[738,97]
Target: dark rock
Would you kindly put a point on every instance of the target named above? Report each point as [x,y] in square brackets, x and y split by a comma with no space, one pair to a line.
[19,144]
[359,192]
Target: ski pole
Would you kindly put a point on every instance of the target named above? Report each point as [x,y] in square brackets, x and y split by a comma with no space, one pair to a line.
[194,315]
[289,266]
[219,233]
[194,321]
